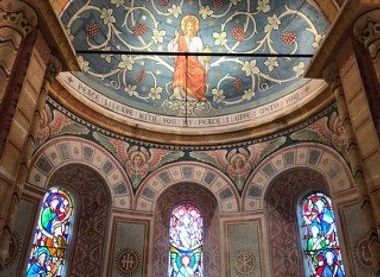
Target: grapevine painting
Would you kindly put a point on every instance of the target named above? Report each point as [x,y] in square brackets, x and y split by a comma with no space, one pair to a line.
[153,80]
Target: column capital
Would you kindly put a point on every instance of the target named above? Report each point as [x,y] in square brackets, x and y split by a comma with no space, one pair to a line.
[18,15]
[331,76]
[54,67]
[366,30]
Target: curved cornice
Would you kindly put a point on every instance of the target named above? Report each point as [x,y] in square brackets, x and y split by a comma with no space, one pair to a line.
[283,121]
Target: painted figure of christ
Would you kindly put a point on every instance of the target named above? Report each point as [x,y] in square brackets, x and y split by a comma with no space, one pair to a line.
[190,73]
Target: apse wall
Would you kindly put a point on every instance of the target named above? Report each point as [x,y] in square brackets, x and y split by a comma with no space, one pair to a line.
[137,175]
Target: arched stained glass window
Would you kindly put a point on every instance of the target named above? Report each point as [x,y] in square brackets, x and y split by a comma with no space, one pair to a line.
[52,235]
[185,241]
[319,237]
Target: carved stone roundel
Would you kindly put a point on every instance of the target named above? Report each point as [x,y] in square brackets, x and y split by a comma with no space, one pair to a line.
[14,249]
[245,262]
[363,254]
[127,261]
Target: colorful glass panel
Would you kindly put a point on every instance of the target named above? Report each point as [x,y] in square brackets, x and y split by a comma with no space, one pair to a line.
[319,237]
[52,234]
[185,239]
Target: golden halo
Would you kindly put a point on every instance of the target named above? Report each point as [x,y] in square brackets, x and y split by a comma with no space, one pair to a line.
[190,18]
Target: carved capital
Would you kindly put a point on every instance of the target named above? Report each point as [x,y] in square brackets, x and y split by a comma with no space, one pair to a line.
[367,31]
[17,15]
[331,76]
[53,69]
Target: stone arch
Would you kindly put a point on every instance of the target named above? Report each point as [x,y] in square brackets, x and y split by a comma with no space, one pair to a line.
[323,159]
[281,200]
[92,217]
[187,172]
[206,202]
[68,150]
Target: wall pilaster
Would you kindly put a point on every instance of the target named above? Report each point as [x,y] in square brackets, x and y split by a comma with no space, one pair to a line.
[353,44]
[362,97]
[368,200]
[53,68]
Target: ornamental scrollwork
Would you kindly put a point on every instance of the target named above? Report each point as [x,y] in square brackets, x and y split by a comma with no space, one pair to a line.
[367,31]
[18,15]
[223,83]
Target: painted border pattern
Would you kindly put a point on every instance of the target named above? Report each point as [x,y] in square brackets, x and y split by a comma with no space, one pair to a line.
[190,172]
[68,150]
[323,159]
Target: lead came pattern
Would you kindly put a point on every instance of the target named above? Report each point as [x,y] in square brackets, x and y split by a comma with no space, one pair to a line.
[319,237]
[186,241]
[52,235]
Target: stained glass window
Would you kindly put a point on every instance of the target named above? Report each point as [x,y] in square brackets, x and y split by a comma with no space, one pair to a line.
[185,242]
[319,237]
[52,234]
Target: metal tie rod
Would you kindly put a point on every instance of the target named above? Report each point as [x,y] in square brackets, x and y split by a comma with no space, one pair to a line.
[214,54]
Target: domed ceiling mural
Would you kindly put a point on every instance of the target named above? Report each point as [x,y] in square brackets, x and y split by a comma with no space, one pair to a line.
[198,64]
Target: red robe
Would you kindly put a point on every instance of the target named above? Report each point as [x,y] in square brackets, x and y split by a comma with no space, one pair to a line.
[189,75]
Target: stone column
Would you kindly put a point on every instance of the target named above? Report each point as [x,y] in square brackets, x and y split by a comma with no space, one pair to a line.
[332,77]
[366,31]
[17,22]
[24,56]
[52,70]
